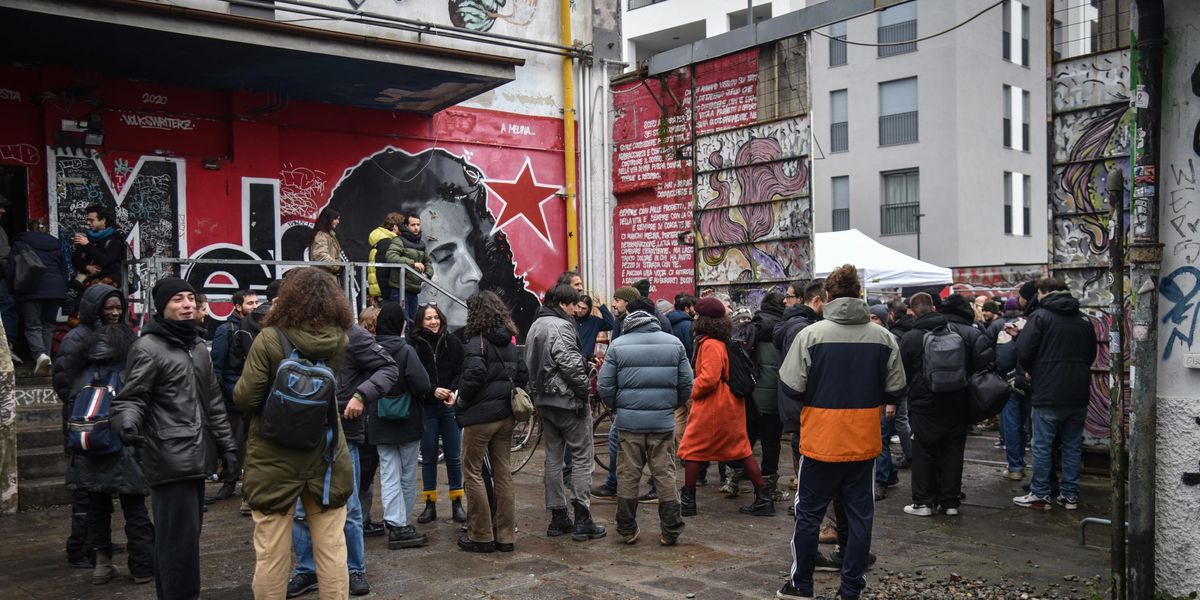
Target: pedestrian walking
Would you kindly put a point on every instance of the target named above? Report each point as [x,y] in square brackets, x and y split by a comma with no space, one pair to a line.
[441,354]
[170,402]
[39,295]
[493,366]
[716,427]
[646,376]
[841,369]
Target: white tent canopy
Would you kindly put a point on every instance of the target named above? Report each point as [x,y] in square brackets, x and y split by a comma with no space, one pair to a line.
[879,266]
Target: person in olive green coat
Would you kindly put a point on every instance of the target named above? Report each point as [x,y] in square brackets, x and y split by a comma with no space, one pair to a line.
[314,315]
[766,393]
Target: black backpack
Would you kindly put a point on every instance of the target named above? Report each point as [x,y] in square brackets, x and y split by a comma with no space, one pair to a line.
[945,360]
[300,410]
[741,371]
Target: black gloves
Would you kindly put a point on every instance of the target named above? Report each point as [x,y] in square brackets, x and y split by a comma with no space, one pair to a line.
[232,466]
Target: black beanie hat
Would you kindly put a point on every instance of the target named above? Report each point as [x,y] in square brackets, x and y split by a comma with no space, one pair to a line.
[166,288]
[391,319]
[1028,290]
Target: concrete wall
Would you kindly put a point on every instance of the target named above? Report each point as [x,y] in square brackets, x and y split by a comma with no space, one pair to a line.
[960,154]
[1178,529]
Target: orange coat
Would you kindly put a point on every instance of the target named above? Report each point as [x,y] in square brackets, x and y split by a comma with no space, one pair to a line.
[716,426]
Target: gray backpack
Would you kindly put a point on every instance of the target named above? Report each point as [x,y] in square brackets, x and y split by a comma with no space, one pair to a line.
[945,360]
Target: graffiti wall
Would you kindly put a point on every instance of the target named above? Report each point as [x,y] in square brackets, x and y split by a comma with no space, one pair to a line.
[742,183]
[1089,138]
[245,185]
[1178,459]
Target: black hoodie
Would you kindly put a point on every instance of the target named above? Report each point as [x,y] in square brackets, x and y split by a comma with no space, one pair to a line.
[980,354]
[484,389]
[794,319]
[1058,346]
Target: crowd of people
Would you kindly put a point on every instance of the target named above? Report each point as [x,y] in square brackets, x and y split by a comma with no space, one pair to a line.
[303,403]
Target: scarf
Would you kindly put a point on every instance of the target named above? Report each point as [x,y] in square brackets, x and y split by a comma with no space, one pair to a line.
[412,240]
[181,332]
[99,235]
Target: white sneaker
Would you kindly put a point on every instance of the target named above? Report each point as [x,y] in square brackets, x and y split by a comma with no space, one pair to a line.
[1033,501]
[951,512]
[42,368]
[1067,502]
[919,510]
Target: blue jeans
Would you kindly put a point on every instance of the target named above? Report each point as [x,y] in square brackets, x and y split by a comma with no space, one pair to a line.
[883,462]
[1066,424]
[398,480]
[1012,427]
[818,484]
[355,553]
[439,422]
[611,482]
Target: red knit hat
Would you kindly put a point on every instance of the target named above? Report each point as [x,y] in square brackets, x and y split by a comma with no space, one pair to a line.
[710,307]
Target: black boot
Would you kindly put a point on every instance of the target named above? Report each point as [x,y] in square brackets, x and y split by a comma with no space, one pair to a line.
[763,505]
[226,491]
[456,509]
[405,537]
[585,529]
[560,523]
[687,502]
[428,515]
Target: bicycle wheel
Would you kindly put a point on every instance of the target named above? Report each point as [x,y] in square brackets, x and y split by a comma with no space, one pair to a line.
[602,420]
[525,438]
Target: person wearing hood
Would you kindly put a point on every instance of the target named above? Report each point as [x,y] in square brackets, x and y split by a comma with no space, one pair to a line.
[1057,347]
[39,296]
[681,321]
[559,391]
[380,238]
[493,366]
[441,354]
[170,403]
[646,376]
[228,371]
[99,345]
[767,425]
[939,418]
[367,372]
[844,370]
[408,249]
[396,432]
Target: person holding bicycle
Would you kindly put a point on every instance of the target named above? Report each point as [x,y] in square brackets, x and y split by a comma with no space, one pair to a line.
[492,368]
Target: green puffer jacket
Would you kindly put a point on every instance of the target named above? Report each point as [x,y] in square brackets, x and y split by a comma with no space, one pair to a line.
[766,357]
[403,250]
[276,475]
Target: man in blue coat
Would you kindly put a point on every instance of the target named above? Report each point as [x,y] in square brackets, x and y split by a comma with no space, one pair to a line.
[646,376]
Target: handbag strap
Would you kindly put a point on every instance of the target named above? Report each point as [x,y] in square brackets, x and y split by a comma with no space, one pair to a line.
[507,373]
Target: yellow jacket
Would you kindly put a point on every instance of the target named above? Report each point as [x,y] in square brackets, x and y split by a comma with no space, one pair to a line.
[377,235]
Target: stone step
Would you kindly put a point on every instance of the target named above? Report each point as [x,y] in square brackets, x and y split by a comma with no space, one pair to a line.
[41,493]
[37,408]
[36,463]
[39,437]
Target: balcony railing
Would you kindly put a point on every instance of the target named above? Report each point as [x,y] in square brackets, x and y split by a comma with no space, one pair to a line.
[897,219]
[841,219]
[900,128]
[895,33]
[839,137]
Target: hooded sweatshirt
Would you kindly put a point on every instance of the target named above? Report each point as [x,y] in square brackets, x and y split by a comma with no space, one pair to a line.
[1058,346]
[846,368]
[377,280]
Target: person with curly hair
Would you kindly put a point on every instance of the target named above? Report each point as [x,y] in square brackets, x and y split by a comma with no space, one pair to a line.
[492,368]
[845,372]
[716,427]
[313,314]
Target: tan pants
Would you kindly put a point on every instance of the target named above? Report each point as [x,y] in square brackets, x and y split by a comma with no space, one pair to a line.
[495,441]
[273,551]
[681,419]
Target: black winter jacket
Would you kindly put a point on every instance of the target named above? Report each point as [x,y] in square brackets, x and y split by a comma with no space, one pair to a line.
[106,254]
[442,356]
[367,369]
[1058,346]
[67,374]
[412,379]
[979,354]
[793,321]
[170,398]
[52,284]
[484,389]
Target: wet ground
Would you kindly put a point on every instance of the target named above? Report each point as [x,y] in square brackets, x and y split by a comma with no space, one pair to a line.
[993,550]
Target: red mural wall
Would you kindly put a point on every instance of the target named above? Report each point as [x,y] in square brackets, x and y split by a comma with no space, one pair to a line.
[231,174]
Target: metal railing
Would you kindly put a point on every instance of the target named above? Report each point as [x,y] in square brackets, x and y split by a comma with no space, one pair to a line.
[895,33]
[352,277]
[900,128]
[897,219]
[841,219]
[839,137]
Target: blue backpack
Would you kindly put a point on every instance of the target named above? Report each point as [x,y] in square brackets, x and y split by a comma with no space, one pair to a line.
[89,429]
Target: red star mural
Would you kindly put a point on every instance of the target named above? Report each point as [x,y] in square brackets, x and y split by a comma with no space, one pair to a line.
[524,198]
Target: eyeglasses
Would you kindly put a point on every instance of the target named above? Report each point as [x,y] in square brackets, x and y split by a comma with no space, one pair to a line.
[791,296]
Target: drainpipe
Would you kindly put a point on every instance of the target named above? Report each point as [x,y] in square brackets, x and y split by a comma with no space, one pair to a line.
[568,83]
[1118,464]
[1146,258]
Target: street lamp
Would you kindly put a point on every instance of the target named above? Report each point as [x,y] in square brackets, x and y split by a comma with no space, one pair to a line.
[919,216]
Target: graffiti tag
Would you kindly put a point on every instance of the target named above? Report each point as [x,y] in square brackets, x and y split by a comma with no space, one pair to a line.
[1184,309]
[7,94]
[23,154]
[157,122]
[299,190]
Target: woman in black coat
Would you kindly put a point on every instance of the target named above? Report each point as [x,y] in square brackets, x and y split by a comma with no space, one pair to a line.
[39,295]
[397,437]
[442,356]
[492,367]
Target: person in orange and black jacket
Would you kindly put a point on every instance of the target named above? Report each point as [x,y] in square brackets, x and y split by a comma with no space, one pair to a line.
[845,371]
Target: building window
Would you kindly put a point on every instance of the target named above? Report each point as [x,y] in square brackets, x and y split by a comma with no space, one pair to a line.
[839,127]
[897,25]
[837,44]
[901,209]
[1016,118]
[1024,35]
[1090,26]
[898,112]
[1018,192]
[840,194]
[1016,27]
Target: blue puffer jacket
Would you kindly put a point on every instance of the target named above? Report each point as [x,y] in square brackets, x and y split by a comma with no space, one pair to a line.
[646,376]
